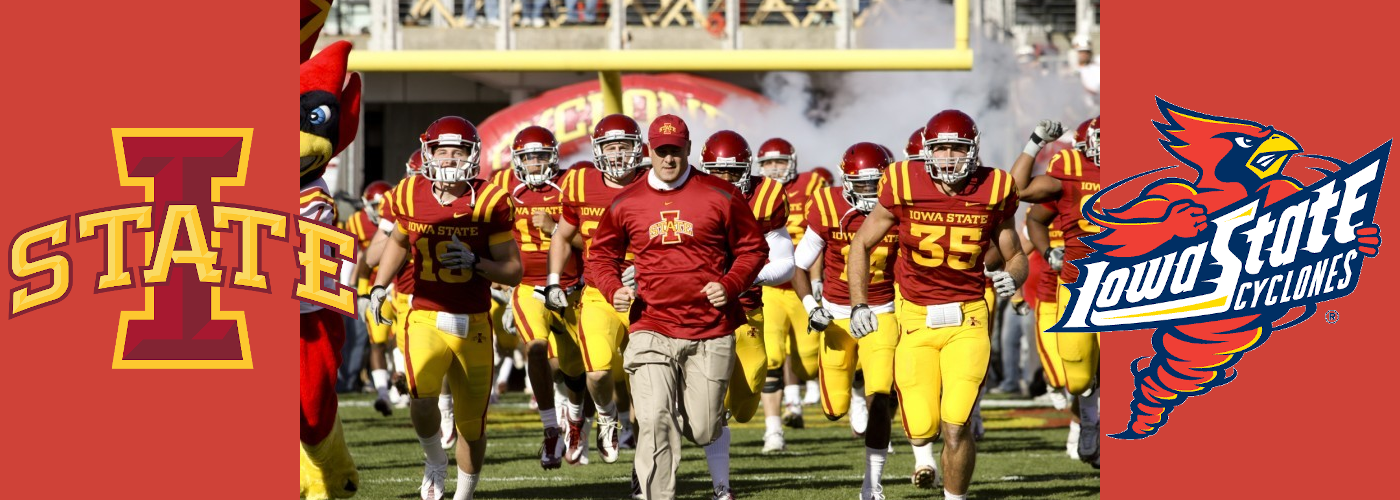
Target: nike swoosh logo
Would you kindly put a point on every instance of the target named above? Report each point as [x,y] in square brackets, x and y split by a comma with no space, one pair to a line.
[970,203]
[547,198]
[455,215]
[669,202]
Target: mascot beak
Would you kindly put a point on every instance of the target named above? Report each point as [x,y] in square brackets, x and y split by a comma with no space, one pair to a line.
[1270,156]
[315,152]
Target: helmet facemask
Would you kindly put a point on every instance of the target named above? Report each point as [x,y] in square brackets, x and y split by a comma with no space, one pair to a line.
[543,160]
[1091,146]
[453,169]
[372,207]
[618,164]
[950,169]
[740,174]
[862,189]
[770,167]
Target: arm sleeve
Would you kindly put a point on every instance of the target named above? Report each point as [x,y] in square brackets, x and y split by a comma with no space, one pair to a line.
[778,270]
[603,268]
[809,249]
[745,243]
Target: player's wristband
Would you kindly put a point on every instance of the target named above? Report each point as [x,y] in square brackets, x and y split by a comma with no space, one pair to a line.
[810,303]
[553,279]
[1032,148]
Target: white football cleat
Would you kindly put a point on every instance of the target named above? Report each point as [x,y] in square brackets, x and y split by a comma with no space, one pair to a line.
[792,416]
[872,492]
[813,395]
[608,430]
[1058,398]
[434,482]
[1072,443]
[926,477]
[773,442]
[583,441]
[859,414]
[722,493]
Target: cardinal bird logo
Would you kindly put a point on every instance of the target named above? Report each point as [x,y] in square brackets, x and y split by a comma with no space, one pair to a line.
[1216,263]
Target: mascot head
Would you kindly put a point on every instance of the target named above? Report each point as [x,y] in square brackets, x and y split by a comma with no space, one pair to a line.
[330,109]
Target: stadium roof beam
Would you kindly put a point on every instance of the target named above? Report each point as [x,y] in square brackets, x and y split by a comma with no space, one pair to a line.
[956,59]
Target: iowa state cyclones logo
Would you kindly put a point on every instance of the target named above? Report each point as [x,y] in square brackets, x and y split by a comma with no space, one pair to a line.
[1215,264]
[182,324]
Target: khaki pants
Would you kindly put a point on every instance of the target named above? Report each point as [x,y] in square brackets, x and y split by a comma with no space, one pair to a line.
[678,388]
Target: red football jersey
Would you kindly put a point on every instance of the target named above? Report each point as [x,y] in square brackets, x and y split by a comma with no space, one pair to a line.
[430,226]
[942,237]
[364,230]
[403,283]
[534,243]
[1046,282]
[770,209]
[1079,180]
[360,226]
[800,194]
[700,232]
[586,197]
[833,220]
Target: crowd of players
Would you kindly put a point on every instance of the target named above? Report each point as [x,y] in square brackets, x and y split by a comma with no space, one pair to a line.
[660,300]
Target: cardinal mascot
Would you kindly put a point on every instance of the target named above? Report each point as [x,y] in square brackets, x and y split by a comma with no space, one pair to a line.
[330,109]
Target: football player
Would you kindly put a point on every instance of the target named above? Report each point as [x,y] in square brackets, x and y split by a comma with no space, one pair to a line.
[832,219]
[948,214]
[397,310]
[1071,178]
[914,149]
[588,192]
[364,224]
[726,155]
[784,319]
[547,332]
[697,249]
[458,229]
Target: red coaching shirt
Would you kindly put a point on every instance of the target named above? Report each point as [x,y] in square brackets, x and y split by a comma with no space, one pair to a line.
[703,231]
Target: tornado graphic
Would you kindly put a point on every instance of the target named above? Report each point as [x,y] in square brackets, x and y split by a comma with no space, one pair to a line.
[1190,360]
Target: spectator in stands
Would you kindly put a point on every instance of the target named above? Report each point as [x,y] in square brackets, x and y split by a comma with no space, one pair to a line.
[492,13]
[1088,65]
[535,17]
[590,11]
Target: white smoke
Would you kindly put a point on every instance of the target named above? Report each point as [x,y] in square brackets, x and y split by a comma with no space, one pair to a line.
[824,113]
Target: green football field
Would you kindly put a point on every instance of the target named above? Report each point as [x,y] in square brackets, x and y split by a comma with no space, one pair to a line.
[1021,456]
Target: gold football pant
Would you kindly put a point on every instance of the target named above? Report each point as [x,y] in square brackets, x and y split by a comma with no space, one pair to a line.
[1078,350]
[939,371]
[750,368]
[842,354]
[430,354]
[785,332]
